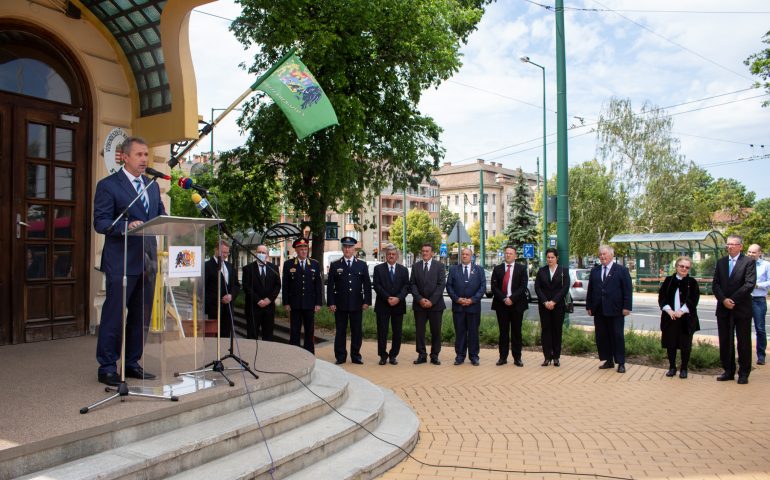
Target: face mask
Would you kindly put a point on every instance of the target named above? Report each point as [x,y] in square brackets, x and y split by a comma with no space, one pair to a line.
[262,257]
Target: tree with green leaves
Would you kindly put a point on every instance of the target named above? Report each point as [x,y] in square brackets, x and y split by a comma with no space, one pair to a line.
[597,208]
[474,232]
[644,157]
[755,228]
[522,223]
[759,64]
[419,229]
[373,58]
[447,219]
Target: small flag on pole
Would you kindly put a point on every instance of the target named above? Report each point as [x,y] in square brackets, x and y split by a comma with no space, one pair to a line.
[296,91]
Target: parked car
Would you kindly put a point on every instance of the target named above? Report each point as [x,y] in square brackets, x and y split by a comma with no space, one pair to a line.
[488,274]
[578,288]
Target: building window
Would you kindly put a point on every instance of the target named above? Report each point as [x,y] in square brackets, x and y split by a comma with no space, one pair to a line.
[494,232]
[475,198]
[353,233]
[494,217]
[457,200]
[349,218]
[486,197]
[494,198]
[475,216]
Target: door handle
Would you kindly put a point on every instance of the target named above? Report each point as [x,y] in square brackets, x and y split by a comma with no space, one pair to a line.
[19,224]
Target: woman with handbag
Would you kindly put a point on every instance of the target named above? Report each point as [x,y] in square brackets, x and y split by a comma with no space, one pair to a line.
[551,285]
[678,300]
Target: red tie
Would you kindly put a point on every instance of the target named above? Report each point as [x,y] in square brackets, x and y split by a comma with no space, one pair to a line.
[506,278]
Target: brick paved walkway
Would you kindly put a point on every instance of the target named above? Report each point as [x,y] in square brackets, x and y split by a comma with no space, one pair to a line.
[575,419]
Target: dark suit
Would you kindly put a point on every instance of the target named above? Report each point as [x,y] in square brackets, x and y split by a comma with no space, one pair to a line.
[429,285]
[258,288]
[466,318]
[551,321]
[302,291]
[509,317]
[348,288]
[384,287]
[735,323]
[678,333]
[213,295]
[606,301]
[113,194]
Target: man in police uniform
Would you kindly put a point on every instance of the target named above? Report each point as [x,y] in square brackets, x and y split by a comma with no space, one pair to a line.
[348,294]
[302,294]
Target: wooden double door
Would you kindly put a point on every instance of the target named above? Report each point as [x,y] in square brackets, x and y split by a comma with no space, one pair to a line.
[44,210]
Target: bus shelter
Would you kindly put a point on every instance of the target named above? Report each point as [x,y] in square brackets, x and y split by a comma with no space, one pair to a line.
[655,253]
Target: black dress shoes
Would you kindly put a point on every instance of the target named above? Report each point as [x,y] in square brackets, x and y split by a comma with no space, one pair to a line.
[683,373]
[420,360]
[556,362]
[393,361]
[458,362]
[621,368]
[138,372]
[501,361]
[358,361]
[518,363]
[545,363]
[606,365]
[743,380]
[435,361]
[725,377]
[383,360]
[475,363]
[339,362]
[112,379]
[671,372]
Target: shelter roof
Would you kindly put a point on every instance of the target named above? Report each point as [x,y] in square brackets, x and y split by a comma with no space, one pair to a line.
[672,241]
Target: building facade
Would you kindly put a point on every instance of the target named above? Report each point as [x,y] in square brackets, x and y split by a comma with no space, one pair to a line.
[75,76]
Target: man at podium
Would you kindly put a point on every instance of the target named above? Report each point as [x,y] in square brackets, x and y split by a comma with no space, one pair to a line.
[113,195]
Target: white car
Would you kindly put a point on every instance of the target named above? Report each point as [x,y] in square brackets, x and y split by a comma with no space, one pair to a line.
[578,288]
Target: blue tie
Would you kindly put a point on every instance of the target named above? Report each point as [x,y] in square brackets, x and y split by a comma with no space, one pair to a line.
[732,264]
[467,277]
[140,190]
[392,274]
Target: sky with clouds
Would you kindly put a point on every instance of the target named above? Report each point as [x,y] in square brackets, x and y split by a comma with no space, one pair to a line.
[492,107]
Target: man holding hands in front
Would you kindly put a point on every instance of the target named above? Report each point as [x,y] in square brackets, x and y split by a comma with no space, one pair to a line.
[466,285]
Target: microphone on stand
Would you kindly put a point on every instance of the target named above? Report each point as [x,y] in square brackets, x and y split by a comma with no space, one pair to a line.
[187,184]
[203,206]
[156,174]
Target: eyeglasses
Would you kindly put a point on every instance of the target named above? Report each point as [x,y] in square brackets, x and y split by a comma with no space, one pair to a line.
[686,267]
[734,244]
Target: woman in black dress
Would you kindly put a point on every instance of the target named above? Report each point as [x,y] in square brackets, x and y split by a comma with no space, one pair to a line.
[551,285]
[678,300]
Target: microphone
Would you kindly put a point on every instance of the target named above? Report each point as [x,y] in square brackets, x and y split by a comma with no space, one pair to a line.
[203,205]
[187,184]
[154,173]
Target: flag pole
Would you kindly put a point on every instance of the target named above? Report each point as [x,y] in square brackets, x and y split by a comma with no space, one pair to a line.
[209,127]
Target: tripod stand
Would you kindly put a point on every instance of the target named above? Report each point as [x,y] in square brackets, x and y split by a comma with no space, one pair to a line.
[122,390]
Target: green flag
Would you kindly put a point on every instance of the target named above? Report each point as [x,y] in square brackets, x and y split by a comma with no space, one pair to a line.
[291,85]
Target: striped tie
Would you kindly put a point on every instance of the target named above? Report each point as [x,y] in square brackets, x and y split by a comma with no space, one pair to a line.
[140,190]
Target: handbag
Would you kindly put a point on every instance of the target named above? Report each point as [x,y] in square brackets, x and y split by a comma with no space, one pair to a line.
[569,305]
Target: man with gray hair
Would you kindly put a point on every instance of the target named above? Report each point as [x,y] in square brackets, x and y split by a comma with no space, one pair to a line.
[391,285]
[734,279]
[759,300]
[609,301]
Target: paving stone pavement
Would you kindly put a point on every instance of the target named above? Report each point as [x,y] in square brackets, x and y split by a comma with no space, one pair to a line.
[574,419]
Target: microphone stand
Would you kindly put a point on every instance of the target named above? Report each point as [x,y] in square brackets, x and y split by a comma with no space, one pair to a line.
[122,389]
[217,365]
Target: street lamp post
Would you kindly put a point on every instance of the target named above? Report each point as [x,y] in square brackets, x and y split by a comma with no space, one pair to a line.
[526,59]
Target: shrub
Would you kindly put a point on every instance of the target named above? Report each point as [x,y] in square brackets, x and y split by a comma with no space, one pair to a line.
[704,355]
[577,341]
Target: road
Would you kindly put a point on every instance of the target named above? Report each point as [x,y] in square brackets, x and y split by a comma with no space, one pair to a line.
[645,315]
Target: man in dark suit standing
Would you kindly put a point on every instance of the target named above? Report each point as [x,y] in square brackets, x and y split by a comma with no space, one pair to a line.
[509,301]
[113,195]
[348,294]
[302,294]
[466,285]
[609,301]
[219,299]
[391,284]
[427,284]
[734,280]
[262,283]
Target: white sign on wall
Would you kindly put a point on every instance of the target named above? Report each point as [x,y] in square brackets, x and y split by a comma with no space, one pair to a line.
[112,144]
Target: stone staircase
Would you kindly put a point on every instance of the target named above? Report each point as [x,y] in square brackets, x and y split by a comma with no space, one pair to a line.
[297,436]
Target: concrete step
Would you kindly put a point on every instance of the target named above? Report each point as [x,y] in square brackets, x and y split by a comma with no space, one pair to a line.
[191,445]
[304,446]
[370,456]
[189,412]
